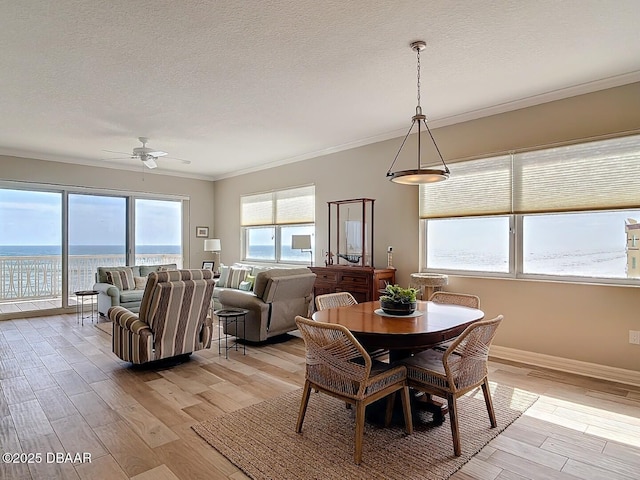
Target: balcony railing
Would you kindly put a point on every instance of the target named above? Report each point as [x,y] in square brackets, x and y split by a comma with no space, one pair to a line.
[24,278]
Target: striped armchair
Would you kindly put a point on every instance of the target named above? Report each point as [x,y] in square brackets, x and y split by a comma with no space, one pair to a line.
[172,319]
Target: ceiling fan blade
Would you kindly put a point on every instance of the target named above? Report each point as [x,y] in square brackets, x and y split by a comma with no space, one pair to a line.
[121,153]
[150,163]
[186,162]
[159,153]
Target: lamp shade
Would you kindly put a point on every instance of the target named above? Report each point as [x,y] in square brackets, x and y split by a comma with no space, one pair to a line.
[212,245]
[302,242]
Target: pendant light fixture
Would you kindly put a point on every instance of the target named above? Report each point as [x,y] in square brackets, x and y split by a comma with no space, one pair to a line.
[419,175]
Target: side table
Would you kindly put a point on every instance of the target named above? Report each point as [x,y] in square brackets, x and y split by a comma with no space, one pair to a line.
[226,317]
[83,296]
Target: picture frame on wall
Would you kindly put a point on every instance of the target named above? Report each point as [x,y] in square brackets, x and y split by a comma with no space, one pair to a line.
[207,265]
[202,232]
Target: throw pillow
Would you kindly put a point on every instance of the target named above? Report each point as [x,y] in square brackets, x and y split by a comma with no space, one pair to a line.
[236,275]
[251,279]
[245,286]
[224,276]
[121,279]
[140,282]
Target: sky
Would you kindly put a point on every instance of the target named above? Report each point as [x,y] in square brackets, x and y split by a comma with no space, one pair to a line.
[34,218]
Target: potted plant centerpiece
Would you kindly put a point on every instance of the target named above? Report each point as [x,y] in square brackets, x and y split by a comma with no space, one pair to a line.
[398,301]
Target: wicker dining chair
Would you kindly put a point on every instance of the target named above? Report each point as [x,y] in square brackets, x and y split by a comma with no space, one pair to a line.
[336,364]
[462,299]
[344,299]
[450,298]
[451,376]
[333,300]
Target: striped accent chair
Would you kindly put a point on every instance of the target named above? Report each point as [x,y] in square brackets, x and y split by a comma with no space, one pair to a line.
[173,318]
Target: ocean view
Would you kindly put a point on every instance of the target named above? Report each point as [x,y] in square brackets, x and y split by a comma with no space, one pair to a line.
[46,250]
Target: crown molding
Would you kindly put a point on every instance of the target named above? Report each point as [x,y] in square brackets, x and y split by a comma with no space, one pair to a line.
[560,94]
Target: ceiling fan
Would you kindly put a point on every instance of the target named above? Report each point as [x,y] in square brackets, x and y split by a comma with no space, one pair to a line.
[146,155]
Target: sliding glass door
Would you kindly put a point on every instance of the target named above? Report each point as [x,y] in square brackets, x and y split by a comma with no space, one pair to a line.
[53,239]
[97,238]
[30,250]
[158,232]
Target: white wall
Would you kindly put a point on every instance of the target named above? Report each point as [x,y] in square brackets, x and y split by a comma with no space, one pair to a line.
[582,322]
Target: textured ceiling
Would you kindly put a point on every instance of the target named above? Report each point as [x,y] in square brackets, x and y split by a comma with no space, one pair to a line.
[234,86]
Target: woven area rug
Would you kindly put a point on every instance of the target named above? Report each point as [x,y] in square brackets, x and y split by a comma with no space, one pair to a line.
[261,441]
[106,327]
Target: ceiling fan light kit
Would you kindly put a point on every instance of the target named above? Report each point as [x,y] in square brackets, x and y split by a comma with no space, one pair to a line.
[147,155]
[419,175]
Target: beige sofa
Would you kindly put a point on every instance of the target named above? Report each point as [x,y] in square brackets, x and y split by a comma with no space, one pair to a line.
[278,295]
[110,296]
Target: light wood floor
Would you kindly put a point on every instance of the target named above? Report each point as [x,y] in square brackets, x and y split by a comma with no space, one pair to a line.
[62,390]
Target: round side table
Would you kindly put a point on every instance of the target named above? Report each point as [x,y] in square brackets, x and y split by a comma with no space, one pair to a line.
[90,297]
[226,317]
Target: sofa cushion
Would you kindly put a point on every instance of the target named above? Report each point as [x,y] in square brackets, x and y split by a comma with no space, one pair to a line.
[224,276]
[147,269]
[101,275]
[140,282]
[236,276]
[122,279]
[128,296]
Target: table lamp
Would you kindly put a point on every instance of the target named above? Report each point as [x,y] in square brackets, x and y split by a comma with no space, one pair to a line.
[302,243]
[213,245]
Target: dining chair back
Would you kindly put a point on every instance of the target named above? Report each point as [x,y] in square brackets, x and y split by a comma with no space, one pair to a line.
[454,372]
[462,299]
[338,365]
[333,300]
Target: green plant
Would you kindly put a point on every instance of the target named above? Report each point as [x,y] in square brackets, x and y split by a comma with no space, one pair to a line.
[397,294]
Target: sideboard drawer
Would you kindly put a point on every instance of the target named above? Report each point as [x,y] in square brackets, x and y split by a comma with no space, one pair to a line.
[327,277]
[355,279]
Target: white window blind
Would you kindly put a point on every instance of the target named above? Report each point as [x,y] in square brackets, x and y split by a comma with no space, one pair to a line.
[282,207]
[594,175]
[476,187]
[256,209]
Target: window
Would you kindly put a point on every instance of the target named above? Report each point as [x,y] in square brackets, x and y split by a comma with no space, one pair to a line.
[567,213]
[270,219]
[478,244]
[589,244]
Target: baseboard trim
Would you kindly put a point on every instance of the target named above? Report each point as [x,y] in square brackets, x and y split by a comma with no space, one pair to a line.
[594,370]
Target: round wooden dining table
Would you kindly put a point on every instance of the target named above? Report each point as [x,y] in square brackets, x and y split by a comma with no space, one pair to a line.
[431,324]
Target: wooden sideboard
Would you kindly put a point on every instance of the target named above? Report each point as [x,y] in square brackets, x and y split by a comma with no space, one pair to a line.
[363,283]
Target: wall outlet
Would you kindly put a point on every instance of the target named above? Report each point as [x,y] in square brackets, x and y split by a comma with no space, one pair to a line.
[634,337]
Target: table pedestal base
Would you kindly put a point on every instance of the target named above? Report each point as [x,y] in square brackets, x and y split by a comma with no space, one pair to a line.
[425,411]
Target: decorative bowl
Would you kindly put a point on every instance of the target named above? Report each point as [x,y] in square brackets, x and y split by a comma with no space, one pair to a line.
[397,308]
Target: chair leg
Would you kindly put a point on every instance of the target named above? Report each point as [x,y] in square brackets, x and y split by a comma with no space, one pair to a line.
[306,392]
[406,409]
[360,407]
[489,403]
[455,430]
[391,400]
